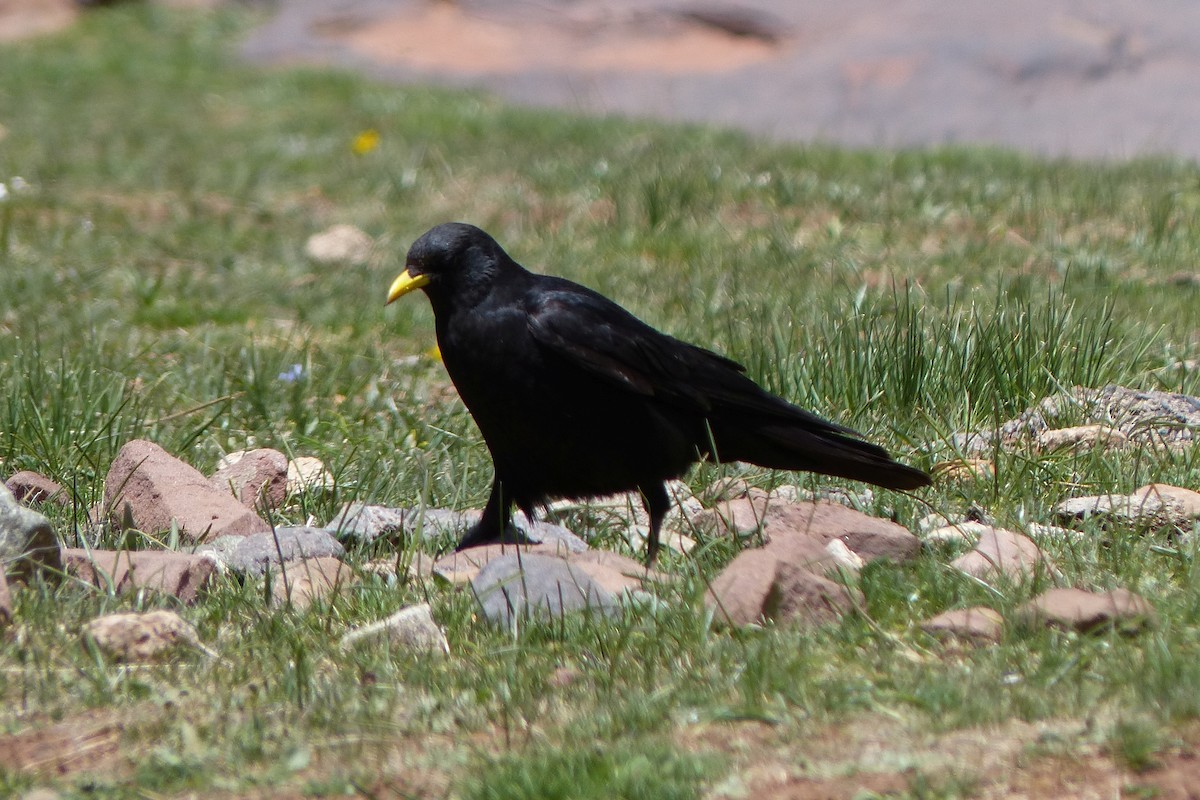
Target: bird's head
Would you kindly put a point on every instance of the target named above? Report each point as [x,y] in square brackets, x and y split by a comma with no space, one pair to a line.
[452,260]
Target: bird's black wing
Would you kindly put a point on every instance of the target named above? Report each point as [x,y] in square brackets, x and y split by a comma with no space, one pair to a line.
[595,334]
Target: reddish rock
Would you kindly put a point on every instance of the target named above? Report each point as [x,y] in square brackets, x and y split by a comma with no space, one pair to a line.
[741,593]
[758,585]
[1005,552]
[182,575]
[742,515]
[32,487]
[254,477]
[151,489]
[801,595]
[1079,610]
[978,625]
[870,537]
[822,520]
[301,582]
[610,574]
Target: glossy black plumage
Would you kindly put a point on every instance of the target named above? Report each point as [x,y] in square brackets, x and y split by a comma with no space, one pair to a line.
[576,397]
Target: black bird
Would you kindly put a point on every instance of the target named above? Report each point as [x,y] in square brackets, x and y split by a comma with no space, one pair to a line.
[578,398]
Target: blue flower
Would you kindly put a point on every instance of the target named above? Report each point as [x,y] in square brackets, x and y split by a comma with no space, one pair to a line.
[292,374]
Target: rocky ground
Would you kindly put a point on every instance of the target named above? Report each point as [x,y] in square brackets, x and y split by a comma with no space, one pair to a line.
[1066,78]
[797,568]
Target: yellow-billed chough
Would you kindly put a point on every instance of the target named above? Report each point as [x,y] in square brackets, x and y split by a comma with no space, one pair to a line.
[578,398]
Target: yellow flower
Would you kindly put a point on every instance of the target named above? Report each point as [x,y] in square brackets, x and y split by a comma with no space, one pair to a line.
[435,353]
[365,142]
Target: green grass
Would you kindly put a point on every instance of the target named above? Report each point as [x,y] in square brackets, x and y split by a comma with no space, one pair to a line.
[153,284]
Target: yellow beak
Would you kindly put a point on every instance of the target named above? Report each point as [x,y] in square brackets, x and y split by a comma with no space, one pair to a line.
[404,284]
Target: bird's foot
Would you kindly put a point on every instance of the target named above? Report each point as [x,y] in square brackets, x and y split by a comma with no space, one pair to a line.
[510,534]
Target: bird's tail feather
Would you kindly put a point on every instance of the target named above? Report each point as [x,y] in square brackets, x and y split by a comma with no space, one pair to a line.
[790,447]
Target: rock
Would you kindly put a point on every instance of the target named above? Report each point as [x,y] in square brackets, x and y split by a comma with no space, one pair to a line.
[366,523]
[741,594]
[968,532]
[932,521]
[515,586]
[563,677]
[758,585]
[153,490]
[856,499]
[742,516]
[867,536]
[32,487]
[1052,532]
[965,469]
[182,575]
[1081,437]
[412,628]
[6,603]
[1144,417]
[301,582]
[637,536]
[539,532]
[141,637]
[408,566]
[613,572]
[306,474]
[1005,552]
[339,244]
[626,510]
[978,625]
[1153,505]
[41,793]
[255,477]
[870,537]
[27,542]
[255,554]
[1083,611]
[842,557]
[461,566]
[803,596]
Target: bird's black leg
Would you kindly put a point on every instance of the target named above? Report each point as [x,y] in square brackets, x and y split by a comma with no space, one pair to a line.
[657,503]
[493,523]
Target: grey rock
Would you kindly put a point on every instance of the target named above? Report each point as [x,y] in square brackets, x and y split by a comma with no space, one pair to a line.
[513,587]
[255,554]
[412,628]
[1153,505]
[366,523]
[27,541]
[539,532]
[1144,417]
